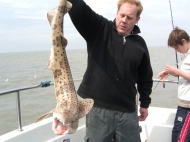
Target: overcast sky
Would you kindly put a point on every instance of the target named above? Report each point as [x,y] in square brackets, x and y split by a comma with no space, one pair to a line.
[24,26]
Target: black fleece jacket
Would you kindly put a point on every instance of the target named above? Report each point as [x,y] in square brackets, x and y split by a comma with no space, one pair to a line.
[117,66]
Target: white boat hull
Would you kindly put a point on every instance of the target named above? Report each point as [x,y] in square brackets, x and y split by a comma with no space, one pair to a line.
[156,128]
[158,125]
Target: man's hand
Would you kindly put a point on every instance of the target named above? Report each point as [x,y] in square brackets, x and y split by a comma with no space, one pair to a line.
[143,114]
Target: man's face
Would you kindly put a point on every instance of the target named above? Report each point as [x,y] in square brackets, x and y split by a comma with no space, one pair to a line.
[126,18]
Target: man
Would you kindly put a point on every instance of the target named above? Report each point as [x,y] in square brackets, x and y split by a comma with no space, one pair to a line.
[118,60]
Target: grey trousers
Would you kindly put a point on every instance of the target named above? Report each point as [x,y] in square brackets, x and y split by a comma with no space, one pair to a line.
[104,124]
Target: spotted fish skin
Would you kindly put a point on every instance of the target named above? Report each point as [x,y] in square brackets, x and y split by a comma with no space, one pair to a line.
[69,109]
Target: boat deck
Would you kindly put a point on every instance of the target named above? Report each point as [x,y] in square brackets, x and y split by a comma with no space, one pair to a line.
[156,128]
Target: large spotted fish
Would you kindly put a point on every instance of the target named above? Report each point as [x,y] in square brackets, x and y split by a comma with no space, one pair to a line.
[69,109]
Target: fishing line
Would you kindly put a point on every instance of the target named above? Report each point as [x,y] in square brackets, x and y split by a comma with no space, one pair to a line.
[156,85]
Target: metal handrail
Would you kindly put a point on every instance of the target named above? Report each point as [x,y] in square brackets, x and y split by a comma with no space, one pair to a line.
[19,89]
[168,81]
[43,84]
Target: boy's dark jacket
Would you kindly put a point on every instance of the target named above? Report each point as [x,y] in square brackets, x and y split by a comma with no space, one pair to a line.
[116,65]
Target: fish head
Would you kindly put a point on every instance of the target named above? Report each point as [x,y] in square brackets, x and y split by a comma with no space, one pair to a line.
[64,122]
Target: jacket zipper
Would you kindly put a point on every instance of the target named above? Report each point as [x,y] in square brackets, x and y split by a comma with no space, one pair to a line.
[124,40]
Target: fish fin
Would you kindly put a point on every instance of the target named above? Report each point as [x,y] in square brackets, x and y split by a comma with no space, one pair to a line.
[43,116]
[51,57]
[85,106]
[51,14]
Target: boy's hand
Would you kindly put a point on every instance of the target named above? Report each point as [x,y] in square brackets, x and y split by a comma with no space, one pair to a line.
[163,75]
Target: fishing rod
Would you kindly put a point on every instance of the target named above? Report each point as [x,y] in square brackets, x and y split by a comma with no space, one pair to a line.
[173,29]
[163,81]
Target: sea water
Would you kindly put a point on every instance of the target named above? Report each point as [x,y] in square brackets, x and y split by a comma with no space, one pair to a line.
[22,69]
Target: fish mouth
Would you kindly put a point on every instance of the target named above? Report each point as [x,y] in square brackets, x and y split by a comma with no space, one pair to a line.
[58,127]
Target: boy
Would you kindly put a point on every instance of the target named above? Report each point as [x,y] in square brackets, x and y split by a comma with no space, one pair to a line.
[179,40]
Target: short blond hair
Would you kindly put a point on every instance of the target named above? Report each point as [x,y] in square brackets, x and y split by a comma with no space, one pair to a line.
[136,2]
